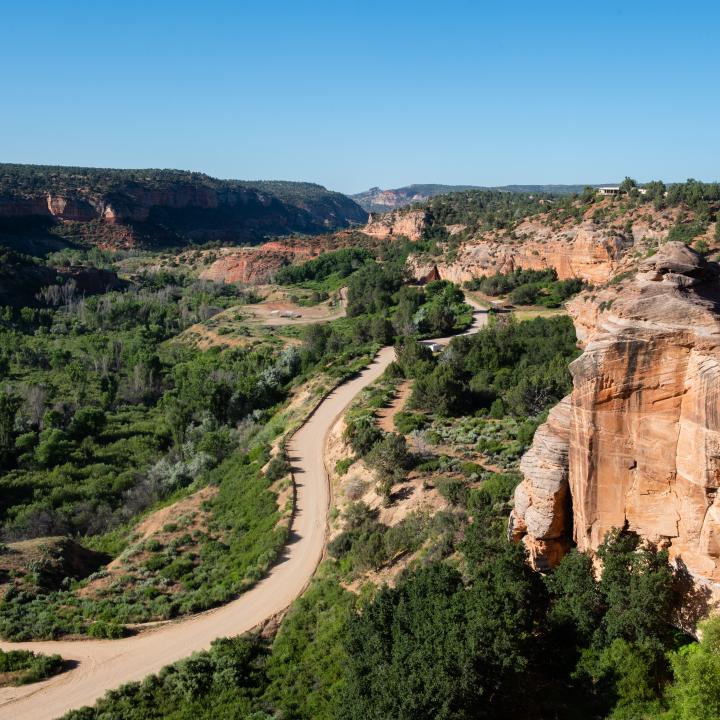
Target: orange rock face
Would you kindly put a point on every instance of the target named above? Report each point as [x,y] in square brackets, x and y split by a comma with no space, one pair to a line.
[639,442]
[542,513]
[389,225]
[593,254]
[254,265]
[594,251]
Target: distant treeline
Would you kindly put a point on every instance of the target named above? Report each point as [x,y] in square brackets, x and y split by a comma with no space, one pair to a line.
[35,179]
[528,287]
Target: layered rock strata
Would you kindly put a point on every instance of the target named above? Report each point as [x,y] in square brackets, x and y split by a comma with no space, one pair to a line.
[637,443]
[587,252]
[254,265]
[168,207]
[592,249]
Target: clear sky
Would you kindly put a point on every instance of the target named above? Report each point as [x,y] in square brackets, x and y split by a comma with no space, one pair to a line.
[352,94]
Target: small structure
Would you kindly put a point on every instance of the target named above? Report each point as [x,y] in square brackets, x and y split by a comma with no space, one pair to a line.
[435,347]
[498,306]
[610,190]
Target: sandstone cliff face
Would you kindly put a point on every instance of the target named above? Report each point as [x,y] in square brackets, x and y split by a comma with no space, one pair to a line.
[593,251]
[257,265]
[542,512]
[390,225]
[637,442]
[593,254]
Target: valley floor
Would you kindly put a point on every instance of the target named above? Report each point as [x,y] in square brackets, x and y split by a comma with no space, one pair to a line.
[106,664]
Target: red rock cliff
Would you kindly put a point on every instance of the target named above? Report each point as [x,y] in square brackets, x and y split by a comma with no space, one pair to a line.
[637,442]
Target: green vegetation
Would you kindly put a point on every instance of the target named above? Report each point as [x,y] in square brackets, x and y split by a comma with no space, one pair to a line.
[528,287]
[486,393]
[467,620]
[339,263]
[21,667]
[508,368]
[450,634]
[695,694]
[105,416]
[197,570]
[482,210]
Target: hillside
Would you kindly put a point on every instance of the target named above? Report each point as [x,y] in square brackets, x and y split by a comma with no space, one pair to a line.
[471,234]
[378,200]
[45,207]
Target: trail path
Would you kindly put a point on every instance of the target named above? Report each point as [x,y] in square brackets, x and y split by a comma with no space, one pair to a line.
[106,664]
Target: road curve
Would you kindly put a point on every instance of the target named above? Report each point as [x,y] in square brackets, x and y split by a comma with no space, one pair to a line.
[106,664]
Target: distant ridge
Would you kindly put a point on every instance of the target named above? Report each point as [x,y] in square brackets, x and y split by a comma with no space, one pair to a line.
[379,200]
[43,205]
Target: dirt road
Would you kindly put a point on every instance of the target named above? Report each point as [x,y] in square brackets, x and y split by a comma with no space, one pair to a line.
[106,664]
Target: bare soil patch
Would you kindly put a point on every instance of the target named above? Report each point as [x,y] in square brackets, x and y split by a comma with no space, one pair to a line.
[183,522]
[386,415]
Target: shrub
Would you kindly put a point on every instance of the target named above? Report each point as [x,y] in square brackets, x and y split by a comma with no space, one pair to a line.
[277,468]
[355,488]
[406,422]
[362,434]
[30,666]
[453,490]
[178,569]
[156,562]
[106,630]
[343,465]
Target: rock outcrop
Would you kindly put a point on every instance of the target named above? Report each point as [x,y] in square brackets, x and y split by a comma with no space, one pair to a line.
[254,265]
[542,512]
[593,250]
[391,225]
[637,443]
[588,252]
[378,200]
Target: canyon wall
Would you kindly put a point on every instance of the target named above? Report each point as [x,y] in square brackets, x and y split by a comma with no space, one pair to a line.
[637,442]
[590,253]
[594,251]
[166,206]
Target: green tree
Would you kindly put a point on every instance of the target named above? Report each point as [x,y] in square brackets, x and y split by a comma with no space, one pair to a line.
[695,694]
[628,185]
[389,459]
[9,406]
[434,648]
[588,195]
[637,589]
[578,601]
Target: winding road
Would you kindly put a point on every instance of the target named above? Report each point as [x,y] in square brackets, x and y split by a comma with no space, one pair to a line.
[102,665]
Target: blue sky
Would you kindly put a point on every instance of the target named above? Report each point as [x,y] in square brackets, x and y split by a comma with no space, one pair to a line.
[353,94]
